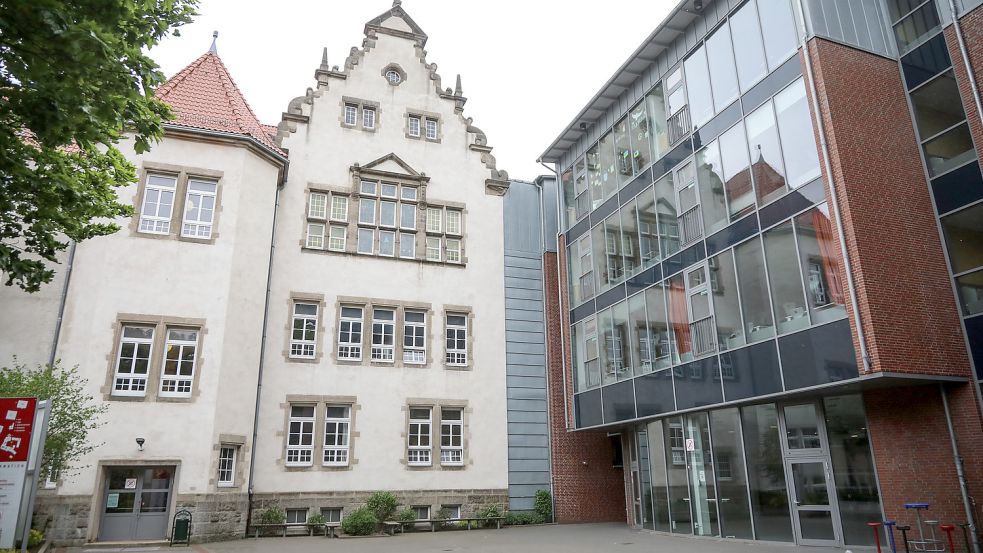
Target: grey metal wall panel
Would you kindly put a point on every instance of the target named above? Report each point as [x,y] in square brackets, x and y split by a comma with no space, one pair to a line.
[521,440]
[534,273]
[525,393]
[526,381]
[525,359]
[523,337]
[528,416]
[521,325]
[529,453]
[528,428]
[520,294]
[859,23]
[529,465]
[526,315]
[527,348]
[516,259]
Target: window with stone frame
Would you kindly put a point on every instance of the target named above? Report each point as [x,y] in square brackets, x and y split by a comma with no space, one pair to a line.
[387,219]
[456,344]
[414,337]
[133,361]
[303,334]
[324,208]
[296,516]
[332,514]
[199,209]
[158,203]
[451,436]
[180,355]
[423,125]
[300,436]
[383,334]
[350,334]
[445,234]
[360,114]
[418,436]
[227,454]
[337,430]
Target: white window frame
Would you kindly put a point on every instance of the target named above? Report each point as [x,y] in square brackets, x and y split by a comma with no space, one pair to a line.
[380,351]
[182,384]
[199,227]
[394,223]
[351,350]
[434,220]
[413,130]
[351,115]
[371,238]
[414,354]
[420,430]
[327,518]
[339,208]
[337,243]
[412,219]
[383,235]
[456,333]
[135,384]
[302,511]
[361,212]
[304,347]
[368,118]
[226,477]
[405,237]
[157,223]
[337,454]
[317,205]
[417,509]
[393,186]
[433,248]
[456,217]
[300,454]
[315,236]
[452,431]
[453,252]
[431,128]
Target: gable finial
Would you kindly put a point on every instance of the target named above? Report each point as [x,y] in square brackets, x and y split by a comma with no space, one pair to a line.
[397,3]
[324,59]
[214,48]
[457,86]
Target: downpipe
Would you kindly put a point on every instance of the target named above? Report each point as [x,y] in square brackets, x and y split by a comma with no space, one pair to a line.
[61,305]
[963,488]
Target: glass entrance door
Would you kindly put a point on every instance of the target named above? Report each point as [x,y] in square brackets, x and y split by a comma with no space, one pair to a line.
[813,502]
[135,503]
[699,464]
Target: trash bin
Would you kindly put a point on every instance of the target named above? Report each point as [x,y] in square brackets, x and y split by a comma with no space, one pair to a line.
[181,530]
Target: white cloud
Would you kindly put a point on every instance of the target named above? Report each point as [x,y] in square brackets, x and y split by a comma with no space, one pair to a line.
[528,67]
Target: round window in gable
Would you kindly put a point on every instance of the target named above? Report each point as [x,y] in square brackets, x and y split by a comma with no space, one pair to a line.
[393,76]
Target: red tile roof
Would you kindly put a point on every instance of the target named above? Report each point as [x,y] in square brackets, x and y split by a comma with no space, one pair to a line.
[204,96]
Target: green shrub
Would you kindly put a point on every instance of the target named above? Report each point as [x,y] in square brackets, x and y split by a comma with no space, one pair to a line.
[35,538]
[316,519]
[488,511]
[406,515]
[274,514]
[360,522]
[523,518]
[382,505]
[543,505]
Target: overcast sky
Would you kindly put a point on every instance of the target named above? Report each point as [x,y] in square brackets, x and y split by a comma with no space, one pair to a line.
[527,66]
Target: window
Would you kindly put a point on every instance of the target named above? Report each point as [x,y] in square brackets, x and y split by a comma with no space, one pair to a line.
[795,129]
[387,243]
[781,38]
[457,340]
[339,208]
[418,438]
[434,219]
[453,511]
[199,209]
[964,238]
[337,238]
[304,333]
[451,437]
[766,154]
[158,202]
[300,436]
[738,189]
[337,426]
[296,516]
[698,87]
[414,126]
[422,512]
[351,114]
[366,211]
[315,236]
[133,361]
[393,77]
[433,248]
[748,49]
[407,245]
[317,205]
[431,125]
[179,363]
[723,75]
[383,330]
[758,321]
[226,466]
[786,284]
[453,222]
[407,216]
[331,514]
[915,27]
[676,444]
[367,187]
[388,190]
[414,337]
[366,241]
[350,334]
[368,118]
[453,250]
[408,193]
[387,214]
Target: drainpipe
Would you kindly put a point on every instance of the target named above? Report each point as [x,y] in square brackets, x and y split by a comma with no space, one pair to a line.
[559,299]
[61,305]
[959,472]
[824,147]
[965,55]
[262,352]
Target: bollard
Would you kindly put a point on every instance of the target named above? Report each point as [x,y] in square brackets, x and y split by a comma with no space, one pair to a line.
[890,524]
[965,527]
[904,536]
[875,526]
[948,528]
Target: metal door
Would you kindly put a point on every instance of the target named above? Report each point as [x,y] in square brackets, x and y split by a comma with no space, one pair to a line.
[135,503]
[814,513]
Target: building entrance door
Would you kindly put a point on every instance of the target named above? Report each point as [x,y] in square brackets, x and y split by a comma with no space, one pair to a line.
[811,490]
[636,480]
[135,503]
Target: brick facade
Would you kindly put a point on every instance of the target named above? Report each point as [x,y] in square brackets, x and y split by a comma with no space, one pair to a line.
[586,487]
[972,27]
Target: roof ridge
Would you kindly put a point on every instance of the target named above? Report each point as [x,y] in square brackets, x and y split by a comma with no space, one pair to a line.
[235,94]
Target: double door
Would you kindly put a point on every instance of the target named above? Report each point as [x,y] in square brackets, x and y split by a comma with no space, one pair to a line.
[135,503]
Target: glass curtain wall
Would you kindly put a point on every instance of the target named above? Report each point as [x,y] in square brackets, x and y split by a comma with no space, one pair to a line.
[766,473]
[728,459]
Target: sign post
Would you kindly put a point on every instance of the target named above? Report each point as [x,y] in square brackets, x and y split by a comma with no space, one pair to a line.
[38,437]
[16,425]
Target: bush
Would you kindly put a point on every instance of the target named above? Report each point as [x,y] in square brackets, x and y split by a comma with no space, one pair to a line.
[316,519]
[274,514]
[360,522]
[521,519]
[382,505]
[35,538]
[406,515]
[543,505]
[489,511]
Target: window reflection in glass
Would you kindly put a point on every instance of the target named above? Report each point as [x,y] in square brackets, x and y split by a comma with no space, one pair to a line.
[971,293]
[639,133]
[766,473]
[648,229]
[853,466]
[748,49]
[802,427]
[679,500]
[916,27]
[665,205]
[723,75]
[781,38]
[821,265]
[660,478]
[609,162]
[766,154]
[569,198]
[577,356]
[594,177]
[622,151]
[728,459]
[737,175]
[614,249]
[608,348]
[786,283]
[937,105]
[679,321]
[711,178]
[659,134]
[758,322]
[658,327]
[703,489]
[964,238]
[698,87]
[630,249]
[598,252]
[795,129]
[639,336]
[592,362]
[949,150]
[726,310]
[620,345]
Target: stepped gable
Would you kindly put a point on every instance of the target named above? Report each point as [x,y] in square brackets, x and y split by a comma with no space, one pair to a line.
[203,95]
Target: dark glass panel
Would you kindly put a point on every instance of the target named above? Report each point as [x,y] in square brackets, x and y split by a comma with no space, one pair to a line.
[974,332]
[751,371]
[654,393]
[964,238]
[926,61]
[728,460]
[790,70]
[766,473]
[853,467]
[737,232]
[679,501]
[916,27]
[697,384]
[726,310]
[793,202]
[937,105]
[957,188]
[660,478]
[619,402]
[971,293]
[611,297]
[949,150]
[819,355]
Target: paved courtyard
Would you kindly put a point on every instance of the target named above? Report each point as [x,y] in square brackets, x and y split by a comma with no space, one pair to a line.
[571,538]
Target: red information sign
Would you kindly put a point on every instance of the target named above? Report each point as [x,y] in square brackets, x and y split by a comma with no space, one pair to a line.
[16,423]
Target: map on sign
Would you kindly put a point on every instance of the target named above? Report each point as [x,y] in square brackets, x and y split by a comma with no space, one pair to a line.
[15,429]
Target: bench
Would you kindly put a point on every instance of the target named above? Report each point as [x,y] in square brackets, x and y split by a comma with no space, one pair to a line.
[435,523]
[258,528]
[330,528]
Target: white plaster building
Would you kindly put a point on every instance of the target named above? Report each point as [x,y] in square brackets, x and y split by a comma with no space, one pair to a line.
[374,320]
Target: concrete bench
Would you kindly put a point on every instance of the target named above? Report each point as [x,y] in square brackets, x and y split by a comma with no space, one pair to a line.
[392,527]
[262,528]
